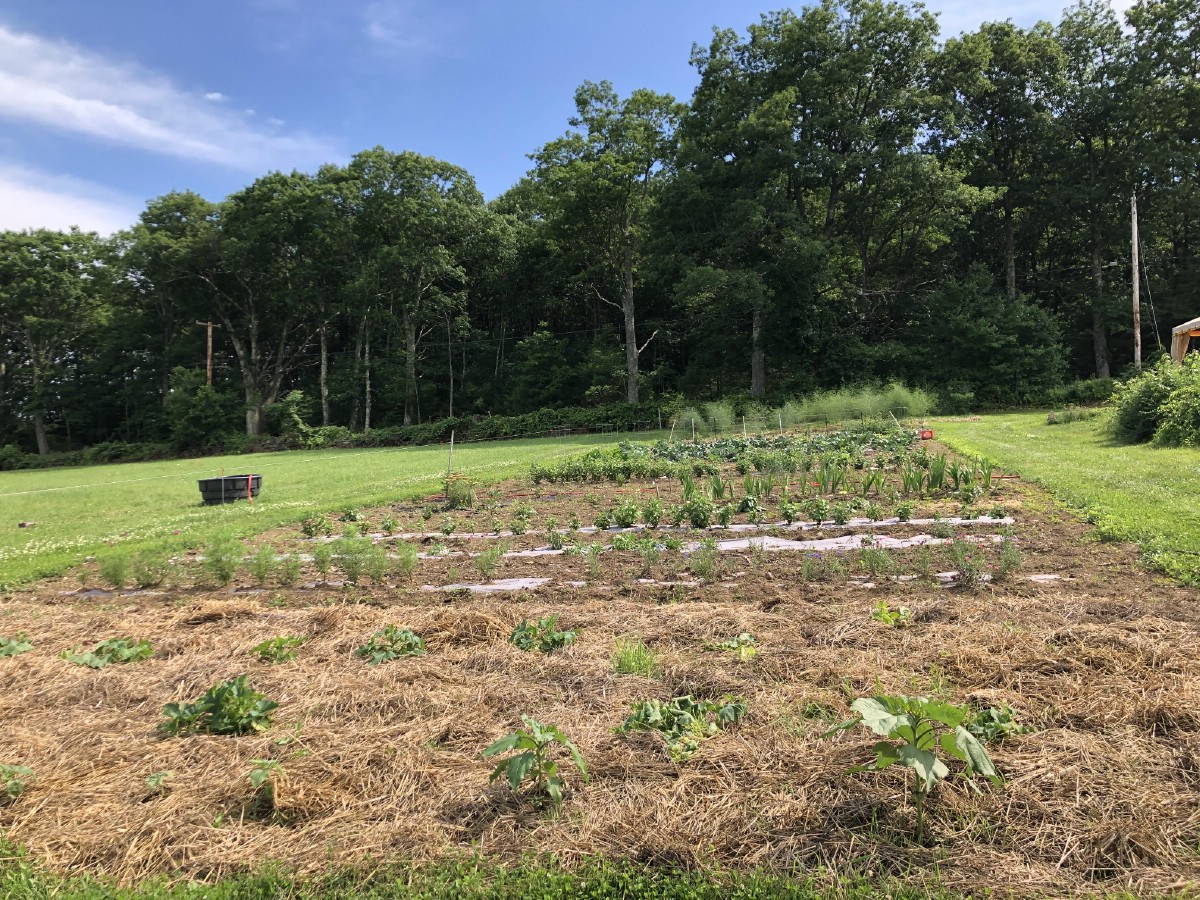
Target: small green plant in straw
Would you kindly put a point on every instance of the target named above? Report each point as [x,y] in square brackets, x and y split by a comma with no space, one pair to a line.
[917,732]
[533,746]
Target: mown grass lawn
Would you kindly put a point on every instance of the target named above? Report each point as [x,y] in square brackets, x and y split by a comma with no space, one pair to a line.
[1133,492]
[75,513]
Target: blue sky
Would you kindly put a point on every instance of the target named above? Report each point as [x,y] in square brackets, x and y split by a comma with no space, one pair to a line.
[104,105]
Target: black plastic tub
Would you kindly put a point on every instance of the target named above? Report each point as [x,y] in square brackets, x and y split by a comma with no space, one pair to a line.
[229,488]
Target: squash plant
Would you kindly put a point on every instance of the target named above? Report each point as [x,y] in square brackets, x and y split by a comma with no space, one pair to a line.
[915,731]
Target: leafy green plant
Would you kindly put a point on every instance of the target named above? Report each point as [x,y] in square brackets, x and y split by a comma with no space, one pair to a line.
[604,519]
[741,645]
[279,649]
[149,569]
[290,567]
[407,559]
[323,559]
[633,657]
[905,509]
[263,778]
[263,565]
[915,730]
[593,552]
[388,525]
[15,779]
[487,561]
[542,635]
[899,617]
[391,643]
[652,512]
[448,525]
[626,514]
[683,721]
[699,512]
[315,525]
[969,560]
[704,559]
[114,569]
[113,650]
[841,513]
[941,530]
[156,783]
[725,514]
[460,492]
[817,509]
[534,744]
[1010,559]
[876,560]
[994,724]
[15,646]
[222,558]
[230,707]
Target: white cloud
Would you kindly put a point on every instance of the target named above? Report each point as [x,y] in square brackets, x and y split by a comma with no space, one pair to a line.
[30,198]
[401,25]
[60,86]
[215,96]
[958,16]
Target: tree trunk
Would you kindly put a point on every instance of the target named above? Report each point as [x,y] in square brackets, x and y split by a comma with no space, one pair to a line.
[1010,249]
[758,360]
[1099,336]
[450,367]
[631,347]
[410,368]
[39,431]
[324,376]
[367,384]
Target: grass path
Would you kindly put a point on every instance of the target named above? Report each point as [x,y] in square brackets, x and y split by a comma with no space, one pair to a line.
[1133,492]
[83,511]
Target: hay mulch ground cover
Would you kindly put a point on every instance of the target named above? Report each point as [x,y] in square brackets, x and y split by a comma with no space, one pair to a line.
[1100,665]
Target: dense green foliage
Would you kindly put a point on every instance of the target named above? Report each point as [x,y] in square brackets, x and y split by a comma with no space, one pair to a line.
[1162,404]
[845,198]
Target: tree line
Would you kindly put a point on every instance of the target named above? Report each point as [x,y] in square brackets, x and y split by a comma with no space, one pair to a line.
[844,198]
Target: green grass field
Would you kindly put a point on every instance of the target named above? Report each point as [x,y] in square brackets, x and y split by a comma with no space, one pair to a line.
[1133,492]
[79,512]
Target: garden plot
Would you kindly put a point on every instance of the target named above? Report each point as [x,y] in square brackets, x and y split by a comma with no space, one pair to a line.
[697,670]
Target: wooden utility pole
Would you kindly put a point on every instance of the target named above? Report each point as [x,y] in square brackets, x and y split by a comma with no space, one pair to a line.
[210,326]
[1137,283]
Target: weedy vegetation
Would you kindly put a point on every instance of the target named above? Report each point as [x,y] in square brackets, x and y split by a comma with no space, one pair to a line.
[391,643]
[228,708]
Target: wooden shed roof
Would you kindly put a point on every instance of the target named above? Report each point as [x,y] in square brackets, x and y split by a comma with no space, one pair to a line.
[1186,326]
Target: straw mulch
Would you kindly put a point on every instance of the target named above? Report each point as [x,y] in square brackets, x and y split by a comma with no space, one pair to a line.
[1104,793]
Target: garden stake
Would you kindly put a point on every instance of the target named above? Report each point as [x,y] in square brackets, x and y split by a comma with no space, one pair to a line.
[450,462]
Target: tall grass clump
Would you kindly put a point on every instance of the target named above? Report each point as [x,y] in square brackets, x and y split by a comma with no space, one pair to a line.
[720,416]
[866,402]
[684,419]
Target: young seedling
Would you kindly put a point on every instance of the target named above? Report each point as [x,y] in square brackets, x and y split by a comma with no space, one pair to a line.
[899,617]
[542,635]
[683,721]
[914,731]
[391,643]
[114,650]
[742,646]
[15,646]
[278,649]
[263,778]
[535,742]
[14,780]
[156,783]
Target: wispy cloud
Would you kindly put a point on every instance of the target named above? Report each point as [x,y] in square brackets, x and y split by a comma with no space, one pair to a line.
[404,26]
[30,198]
[63,87]
[215,96]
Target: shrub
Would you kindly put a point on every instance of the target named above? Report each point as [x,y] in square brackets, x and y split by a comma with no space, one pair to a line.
[222,558]
[149,568]
[1141,403]
[114,569]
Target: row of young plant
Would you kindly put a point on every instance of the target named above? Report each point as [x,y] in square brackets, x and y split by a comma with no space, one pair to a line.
[919,732]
